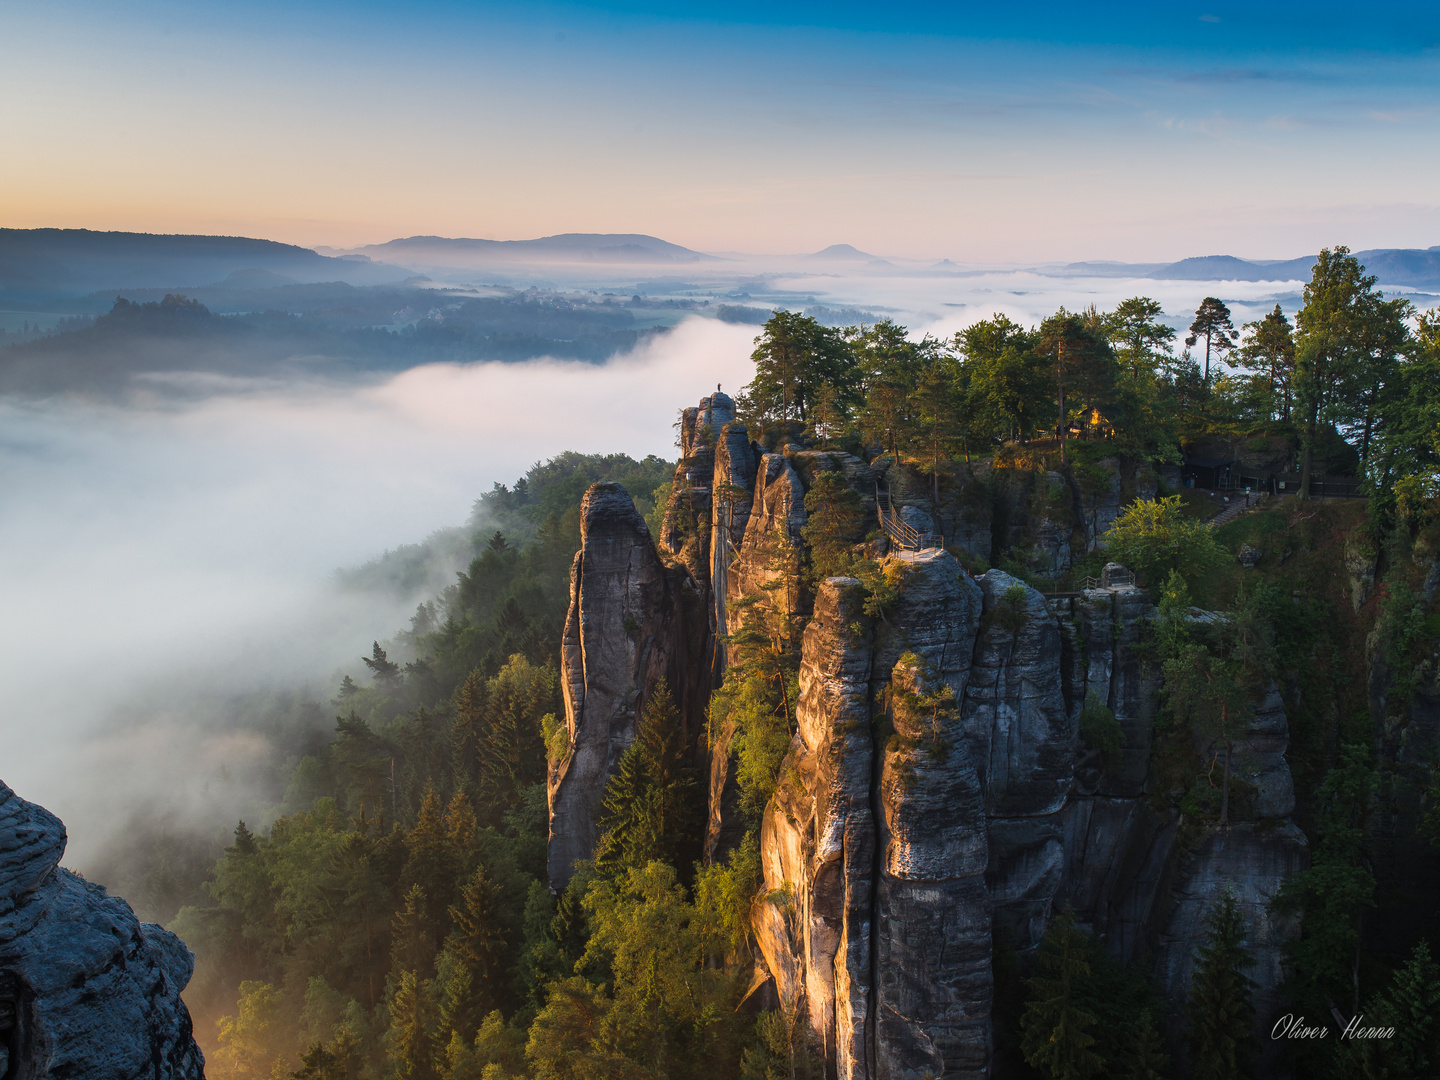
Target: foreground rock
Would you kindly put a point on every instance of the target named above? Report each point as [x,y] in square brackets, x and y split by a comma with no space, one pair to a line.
[86,989]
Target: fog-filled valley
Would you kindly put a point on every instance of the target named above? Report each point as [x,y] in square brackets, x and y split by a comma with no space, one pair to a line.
[286,547]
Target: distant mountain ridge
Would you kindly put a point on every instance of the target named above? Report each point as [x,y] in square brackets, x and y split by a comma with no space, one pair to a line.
[1416,267]
[41,262]
[599,248]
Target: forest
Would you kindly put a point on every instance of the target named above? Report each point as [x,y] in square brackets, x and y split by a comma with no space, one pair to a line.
[393,917]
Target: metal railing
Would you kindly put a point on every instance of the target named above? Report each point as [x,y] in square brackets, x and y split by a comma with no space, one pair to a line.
[901,533]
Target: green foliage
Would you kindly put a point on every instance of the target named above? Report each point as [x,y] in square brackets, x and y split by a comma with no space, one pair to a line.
[726,892]
[1055,1030]
[1220,1010]
[752,705]
[1333,893]
[650,812]
[1010,612]
[794,357]
[660,1009]
[781,1049]
[1153,537]
[1410,1007]
[834,519]
[1212,319]
[1098,726]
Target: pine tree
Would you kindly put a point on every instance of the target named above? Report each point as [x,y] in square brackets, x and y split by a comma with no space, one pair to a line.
[1147,1059]
[835,516]
[1220,1009]
[412,1036]
[647,802]
[473,949]
[385,670]
[1212,318]
[431,863]
[1054,1034]
[467,732]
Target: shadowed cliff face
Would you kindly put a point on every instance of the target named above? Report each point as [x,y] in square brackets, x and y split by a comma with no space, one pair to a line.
[620,638]
[86,990]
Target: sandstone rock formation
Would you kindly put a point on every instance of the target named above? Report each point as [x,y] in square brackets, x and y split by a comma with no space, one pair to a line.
[625,630]
[937,793]
[877,926]
[86,989]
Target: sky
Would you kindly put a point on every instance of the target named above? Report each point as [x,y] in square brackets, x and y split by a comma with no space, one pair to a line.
[980,133]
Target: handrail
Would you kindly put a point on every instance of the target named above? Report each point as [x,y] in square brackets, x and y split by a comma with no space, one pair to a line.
[900,531]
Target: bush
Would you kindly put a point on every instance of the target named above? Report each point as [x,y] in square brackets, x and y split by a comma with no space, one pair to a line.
[1154,537]
[1098,726]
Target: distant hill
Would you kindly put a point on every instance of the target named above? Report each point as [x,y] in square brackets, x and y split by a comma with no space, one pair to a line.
[843,253]
[565,248]
[55,262]
[1415,267]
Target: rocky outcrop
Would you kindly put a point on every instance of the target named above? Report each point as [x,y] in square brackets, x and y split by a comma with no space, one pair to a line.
[817,840]
[625,630]
[877,923]
[86,989]
[938,788]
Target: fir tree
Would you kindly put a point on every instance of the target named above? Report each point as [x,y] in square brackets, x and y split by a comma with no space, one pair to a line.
[413,940]
[1054,1035]
[1220,1009]
[835,516]
[467,732]
[431,863]
[512,748]
[474,946]
[1147,1059]
[412,1036]
[460,831]
[647,801]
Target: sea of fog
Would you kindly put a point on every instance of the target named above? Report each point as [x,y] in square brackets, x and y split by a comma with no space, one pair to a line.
[161,556]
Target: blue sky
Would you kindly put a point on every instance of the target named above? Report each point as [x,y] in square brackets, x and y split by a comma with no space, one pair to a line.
[963,131]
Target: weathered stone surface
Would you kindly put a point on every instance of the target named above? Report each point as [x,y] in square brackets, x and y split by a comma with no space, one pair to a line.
[1260,759]
[1014,710]
[94,992]
[1252,862]
[817,840]
[1112,622]
[932,931]
[770,551]
[620,637]
[880,929]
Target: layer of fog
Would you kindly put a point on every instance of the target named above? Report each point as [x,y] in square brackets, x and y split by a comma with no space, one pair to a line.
[156,563]
[160,561]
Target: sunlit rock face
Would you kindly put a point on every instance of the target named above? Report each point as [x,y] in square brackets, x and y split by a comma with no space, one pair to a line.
[876,925]
[86,989]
